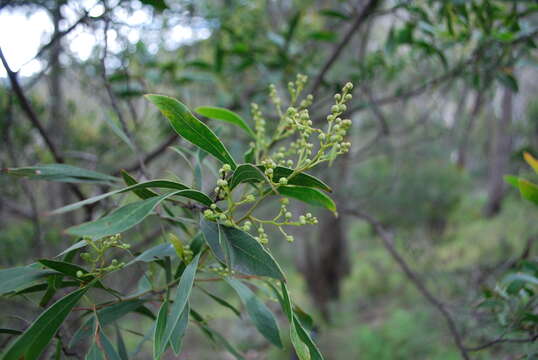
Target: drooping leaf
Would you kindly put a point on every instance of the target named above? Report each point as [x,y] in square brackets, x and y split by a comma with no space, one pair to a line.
[179,331]
[192,129]
[106,316]
[119,220]
[301,179]
[108,348]
[14,279]
[65,268]
[528,190]
[143,193]
[260,315]
[159,344]
[246,173]
[162,184]
[155,253]
[308,195]
[95,353]
[526,278]
[78,245]
[61,173]
[315,354]
[180,301]
[512,180]
[119,132]
[222,114]
[222,302]
[33,341]
[302,350]
[246,254]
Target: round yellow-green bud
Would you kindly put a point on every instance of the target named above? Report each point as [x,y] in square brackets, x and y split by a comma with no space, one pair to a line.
[269,172]
[80,274]
[213,206]
[283,181]
[337,97]
[285,201]
[289,238]
[222,182]
[288,215]
[348,97]
[225,168]
[348,86]
[208,213]
[302,220]
[308,215]
[321,136]
[223,217]
[114,262]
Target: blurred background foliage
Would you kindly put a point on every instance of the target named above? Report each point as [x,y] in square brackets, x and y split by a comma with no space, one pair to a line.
[444,106]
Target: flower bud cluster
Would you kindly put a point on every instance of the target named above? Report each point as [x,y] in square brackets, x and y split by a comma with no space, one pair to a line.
[97,252]
[220,270]
[262,236]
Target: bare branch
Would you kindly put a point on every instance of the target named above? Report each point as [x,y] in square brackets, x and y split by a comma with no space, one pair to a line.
[365,13]
[388,243]
[501,340]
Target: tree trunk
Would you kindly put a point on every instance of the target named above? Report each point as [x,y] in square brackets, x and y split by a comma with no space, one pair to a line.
[464,144]
[499,155]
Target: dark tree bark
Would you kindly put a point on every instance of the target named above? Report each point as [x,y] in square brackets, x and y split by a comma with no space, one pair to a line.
[499,155]
[464,144]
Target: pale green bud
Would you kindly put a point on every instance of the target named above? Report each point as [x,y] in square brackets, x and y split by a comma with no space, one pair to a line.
[222,182]
[282,181]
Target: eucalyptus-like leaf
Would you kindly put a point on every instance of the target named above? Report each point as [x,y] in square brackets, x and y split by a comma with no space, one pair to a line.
[35,339]
[260,315]
[157,252]
[106,315]
[180,301]
[65,268]
[240,250]
[17,278]
[301,179]
[160,184]
[528,190]
[110,352]
[159,345]
[531,160]
[119,220]
[61,173]
[226,115]
[246,173]
[222,302]
[179,331]
[308,195]
[190,128]
[143,193]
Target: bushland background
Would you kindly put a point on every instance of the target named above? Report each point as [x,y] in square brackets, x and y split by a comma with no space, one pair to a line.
[445,103]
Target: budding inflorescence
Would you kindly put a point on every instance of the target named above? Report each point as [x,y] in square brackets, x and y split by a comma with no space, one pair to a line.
[302,147]
[96,255]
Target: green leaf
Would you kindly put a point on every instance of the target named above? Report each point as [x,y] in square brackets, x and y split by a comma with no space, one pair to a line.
[141,193]
[531,161]
[179,331]
[216,336]
[106,316]
[522,277]
[160,326]
[182,296]
[260,315]
[155,253]
[512,180]
[109,350]
[16,278]
[308,195]
[221,301]
[335,14]
[226,115]
[315,354]
[302,179]
[119,132]
[65,268]
[245,254]
[162,184]
[302,350]
[78,245]
[94,353]
[61,173]
[119,220]
[33,341]
[192,129]
[10,331]
[528,190]
[246,173]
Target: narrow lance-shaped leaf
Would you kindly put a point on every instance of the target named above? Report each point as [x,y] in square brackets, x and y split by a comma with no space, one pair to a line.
[226,115]
[162,184]
[119,220]
[531,161]
[180,301]
[178,333]
[246,255]
[16,278]
[529,190]
[61,173]
[260,315]
[160,327]
[308,195]
[33,341]
[190,128]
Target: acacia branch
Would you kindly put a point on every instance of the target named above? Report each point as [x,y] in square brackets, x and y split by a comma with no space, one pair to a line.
[31,115]
[366,11]
[154,154]
[388,243]
[501,340]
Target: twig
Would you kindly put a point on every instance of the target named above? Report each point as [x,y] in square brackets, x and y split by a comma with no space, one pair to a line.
[388,243]
[366,11]
[501,340]
[155,153]
[29,111]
